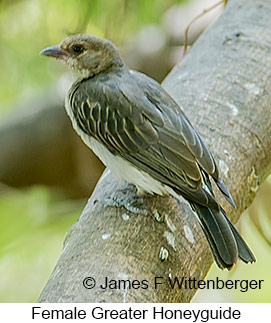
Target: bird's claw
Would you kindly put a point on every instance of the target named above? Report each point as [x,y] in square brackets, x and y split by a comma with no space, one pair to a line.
[124,202]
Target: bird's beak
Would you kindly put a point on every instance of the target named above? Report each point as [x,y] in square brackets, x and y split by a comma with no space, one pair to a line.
[55,51]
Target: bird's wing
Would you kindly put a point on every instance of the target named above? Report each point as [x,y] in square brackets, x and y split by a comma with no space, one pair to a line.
[135,118]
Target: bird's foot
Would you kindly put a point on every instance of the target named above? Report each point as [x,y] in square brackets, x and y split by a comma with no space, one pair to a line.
[129,199]
[129,204]
[133,200]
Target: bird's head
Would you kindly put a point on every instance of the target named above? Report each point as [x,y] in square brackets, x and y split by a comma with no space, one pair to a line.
[87,55]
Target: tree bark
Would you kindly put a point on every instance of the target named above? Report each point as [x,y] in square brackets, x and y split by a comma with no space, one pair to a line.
[224,87]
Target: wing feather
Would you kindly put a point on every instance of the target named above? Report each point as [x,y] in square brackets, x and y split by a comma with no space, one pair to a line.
[136,119]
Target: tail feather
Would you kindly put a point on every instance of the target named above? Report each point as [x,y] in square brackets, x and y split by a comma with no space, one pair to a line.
[225,242]
[244,253]
[223,188]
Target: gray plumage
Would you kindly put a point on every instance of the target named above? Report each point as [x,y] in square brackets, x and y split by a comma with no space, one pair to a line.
[130,121]
[151,132]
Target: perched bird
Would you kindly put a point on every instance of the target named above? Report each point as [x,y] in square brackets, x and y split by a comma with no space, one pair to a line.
[137,130]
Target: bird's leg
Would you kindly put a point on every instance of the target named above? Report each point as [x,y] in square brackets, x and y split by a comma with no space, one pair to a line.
[127,203]
[131,199]
[128,199]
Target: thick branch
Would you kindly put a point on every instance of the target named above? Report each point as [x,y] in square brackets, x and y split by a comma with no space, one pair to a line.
[224,87]
[34,142]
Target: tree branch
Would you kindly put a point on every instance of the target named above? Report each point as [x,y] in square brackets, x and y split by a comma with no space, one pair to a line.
[224,87]
[35,140]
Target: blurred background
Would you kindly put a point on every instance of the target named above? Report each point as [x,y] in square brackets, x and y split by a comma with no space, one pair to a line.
[46,173]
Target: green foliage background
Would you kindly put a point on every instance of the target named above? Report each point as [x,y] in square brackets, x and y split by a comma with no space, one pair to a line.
[33,221]
[28,26]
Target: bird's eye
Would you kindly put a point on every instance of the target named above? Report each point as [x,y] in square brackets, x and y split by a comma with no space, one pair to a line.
[77,48]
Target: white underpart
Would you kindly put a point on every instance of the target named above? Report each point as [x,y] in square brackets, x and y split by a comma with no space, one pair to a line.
[121,168]
[124,170]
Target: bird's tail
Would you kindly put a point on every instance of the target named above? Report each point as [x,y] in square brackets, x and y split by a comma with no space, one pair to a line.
[225,242]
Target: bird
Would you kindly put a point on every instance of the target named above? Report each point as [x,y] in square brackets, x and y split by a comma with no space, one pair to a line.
[143,136]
